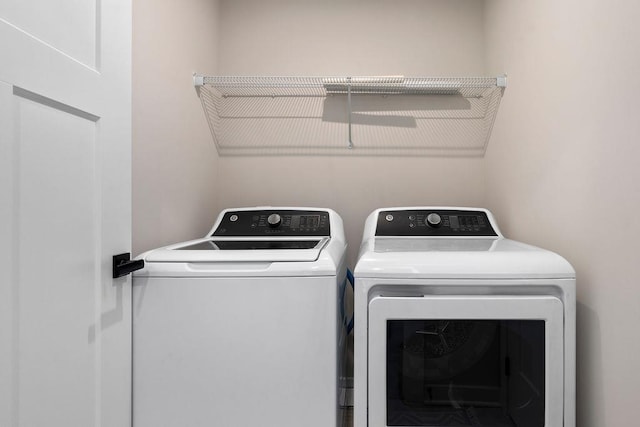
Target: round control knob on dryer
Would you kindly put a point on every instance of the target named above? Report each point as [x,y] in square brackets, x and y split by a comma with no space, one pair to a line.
[434,220]
[274,220]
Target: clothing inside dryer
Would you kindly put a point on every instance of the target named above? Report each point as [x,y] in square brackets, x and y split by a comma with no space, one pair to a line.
[448,372]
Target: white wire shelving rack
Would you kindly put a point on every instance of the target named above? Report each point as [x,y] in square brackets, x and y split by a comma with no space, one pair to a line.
[364,115]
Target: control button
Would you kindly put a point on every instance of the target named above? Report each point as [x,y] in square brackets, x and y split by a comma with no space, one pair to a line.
[233,218]
[389,217]
[434,220]
[412,217]
[274,220]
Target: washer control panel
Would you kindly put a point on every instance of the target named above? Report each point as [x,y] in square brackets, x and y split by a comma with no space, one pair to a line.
[448,223]
[274,223]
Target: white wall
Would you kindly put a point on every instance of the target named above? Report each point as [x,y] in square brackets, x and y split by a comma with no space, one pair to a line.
[359,37]
[174,161]
[562,172]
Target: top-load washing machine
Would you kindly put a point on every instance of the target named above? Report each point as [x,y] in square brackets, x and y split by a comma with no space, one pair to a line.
[242,327]
[456,325]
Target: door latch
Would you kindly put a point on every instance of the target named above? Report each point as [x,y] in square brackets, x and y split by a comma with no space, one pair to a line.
[123,265]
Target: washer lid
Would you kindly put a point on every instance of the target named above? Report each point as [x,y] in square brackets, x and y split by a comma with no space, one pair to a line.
[254,249]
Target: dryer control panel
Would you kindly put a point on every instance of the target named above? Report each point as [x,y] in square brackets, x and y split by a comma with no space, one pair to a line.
[446,223]
[274,223]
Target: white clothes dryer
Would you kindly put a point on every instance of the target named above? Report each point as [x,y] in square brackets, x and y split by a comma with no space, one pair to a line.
[456,325]
[242,327]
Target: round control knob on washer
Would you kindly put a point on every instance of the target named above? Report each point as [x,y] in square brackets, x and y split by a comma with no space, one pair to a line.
[434,220]
[274,220]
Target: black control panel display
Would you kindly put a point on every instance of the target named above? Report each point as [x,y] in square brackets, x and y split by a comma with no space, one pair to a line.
[434,223]
[274,223]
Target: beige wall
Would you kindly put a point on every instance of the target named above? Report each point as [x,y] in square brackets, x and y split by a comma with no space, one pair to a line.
[355,37]
[334,37]
[563,172]
[174,161]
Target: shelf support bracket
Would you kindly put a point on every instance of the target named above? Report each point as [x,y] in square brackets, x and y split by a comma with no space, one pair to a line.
[501,81]
[198,80]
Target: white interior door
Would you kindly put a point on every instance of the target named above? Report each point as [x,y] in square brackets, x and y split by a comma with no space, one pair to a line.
[544,308]
[65,139]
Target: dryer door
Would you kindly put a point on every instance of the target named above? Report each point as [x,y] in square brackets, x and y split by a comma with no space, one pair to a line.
[466,361]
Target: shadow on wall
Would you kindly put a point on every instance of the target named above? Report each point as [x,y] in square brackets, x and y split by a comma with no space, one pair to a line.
[378,110]
[589,384]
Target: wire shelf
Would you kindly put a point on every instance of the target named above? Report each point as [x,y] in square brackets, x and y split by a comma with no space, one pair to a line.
[377,115]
